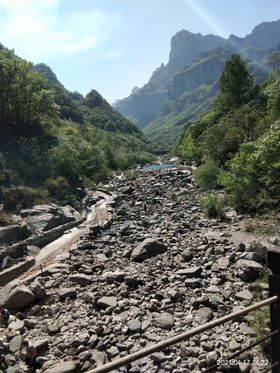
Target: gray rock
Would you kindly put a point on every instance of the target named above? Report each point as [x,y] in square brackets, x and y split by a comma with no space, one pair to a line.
[33,250]
[158,357]
[147,249]
[81,279]
[99,357]
[187,254]
[42,222]
[193,283]
[14,370]
[105,302]
[7,262]
[251,256]
[68,214]
[212,357]
[16,343]
[64,367]
[164,321]
[114,276]
[223,262]
[67,292]
[234,346]
[15,295]
[38,288]
[134,325]
[16,325]
[10,234]
[248,270]
[203,315]
[112,351]
[244,295]
[192,272]
[41,344]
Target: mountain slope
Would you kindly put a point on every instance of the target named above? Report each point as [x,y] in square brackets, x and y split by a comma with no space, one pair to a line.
[52,141]
[194,61]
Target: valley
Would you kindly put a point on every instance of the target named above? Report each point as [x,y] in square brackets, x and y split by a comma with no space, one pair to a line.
[158,267]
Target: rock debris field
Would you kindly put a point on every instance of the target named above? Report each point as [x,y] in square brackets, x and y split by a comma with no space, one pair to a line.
[160,268]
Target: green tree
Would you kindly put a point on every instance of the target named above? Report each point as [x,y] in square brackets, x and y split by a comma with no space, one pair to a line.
[236,84]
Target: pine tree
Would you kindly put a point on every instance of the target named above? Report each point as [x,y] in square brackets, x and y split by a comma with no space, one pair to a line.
[236,84]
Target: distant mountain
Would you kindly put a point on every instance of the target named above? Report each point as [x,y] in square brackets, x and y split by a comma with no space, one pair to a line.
[187,84]
[47,72]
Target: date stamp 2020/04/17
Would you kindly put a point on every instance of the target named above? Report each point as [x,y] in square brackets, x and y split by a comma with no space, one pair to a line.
[235,362]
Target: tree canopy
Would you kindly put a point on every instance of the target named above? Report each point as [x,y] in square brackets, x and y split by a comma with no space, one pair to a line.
[236,84]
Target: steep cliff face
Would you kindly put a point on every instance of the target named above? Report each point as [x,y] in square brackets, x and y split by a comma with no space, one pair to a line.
[264,36]
[206,70]
[145,105]
[186,47]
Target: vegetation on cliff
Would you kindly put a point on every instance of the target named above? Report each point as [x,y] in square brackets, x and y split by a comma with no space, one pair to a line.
[241,137]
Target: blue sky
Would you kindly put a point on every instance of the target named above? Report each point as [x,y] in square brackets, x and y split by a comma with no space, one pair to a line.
[114,45]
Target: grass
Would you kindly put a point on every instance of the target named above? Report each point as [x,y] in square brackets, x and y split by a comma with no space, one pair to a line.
[264,225]
[259,320]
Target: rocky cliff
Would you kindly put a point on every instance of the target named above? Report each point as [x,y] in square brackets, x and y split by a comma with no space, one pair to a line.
[195,61]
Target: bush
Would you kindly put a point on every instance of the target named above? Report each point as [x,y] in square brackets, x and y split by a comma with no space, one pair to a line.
[213,206]
[23,197]
[58,187]
[5,218]
[207,175]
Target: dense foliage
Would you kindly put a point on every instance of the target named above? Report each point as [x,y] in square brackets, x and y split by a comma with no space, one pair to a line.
[240,135]
[52,141]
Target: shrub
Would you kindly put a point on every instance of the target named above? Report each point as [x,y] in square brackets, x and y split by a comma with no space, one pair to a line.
[5,218]
[58,187]
[213,206]
[18,198]
[207,175]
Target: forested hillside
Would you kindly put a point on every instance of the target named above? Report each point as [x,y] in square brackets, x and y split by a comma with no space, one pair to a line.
[237,143]
[54,142]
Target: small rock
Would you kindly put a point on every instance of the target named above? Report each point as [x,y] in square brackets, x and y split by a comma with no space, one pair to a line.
[112,351]
[16,343]
[134,325]
[81,279]
[105,302]
[67,293]
[244,295]
[203,315]
[192,272]
[63,367]
[164,321]
[147,249]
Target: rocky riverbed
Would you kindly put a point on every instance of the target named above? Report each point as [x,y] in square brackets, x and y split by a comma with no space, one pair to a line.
[160,268]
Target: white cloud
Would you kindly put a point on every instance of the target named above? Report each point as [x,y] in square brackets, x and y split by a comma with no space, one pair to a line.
[36,31]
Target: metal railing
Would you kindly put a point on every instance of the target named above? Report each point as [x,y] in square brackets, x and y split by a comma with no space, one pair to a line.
[273,259]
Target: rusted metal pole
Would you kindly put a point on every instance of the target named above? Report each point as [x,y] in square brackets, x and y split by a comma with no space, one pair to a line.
[179,337]
[273,262]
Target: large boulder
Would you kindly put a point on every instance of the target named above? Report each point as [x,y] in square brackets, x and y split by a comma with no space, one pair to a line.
[15,295]
[10,234]
[45,217]
[147,249]
[248,270]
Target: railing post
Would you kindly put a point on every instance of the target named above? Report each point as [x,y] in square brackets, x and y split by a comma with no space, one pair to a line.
[273,262]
